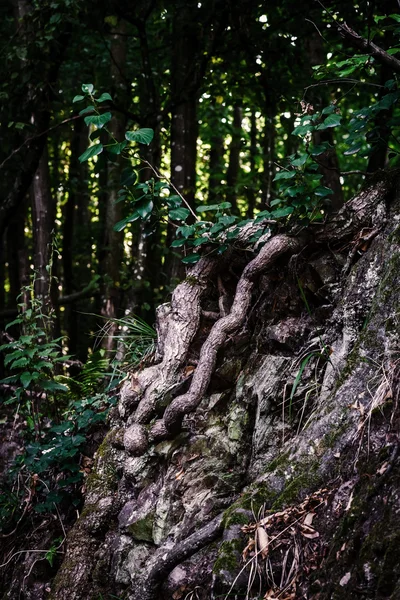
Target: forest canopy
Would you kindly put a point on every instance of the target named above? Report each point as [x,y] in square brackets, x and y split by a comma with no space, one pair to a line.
[254,108]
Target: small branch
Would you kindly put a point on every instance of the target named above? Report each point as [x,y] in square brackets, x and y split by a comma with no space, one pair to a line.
[160,176]
[367,46]
[35,137]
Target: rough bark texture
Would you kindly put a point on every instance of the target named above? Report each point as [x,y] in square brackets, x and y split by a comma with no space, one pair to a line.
[282,474]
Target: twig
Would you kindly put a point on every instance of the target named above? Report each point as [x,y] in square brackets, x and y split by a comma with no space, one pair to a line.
[38,135]
[160,176]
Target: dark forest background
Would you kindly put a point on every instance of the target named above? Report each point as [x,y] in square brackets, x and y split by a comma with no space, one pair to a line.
[221,85]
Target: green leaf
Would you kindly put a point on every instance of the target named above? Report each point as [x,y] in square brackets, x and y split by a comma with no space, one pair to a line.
[86,110]
[185,230]
[90,152]
[26,378]
[323,191]
[179,214]
[52,386]
[128,176]
[294,190]
[144,208]
[320,149]
[98,120]
[331,121]
[143,136]
[299,162]
[303,129]
[285,175]
[328,110]
[191,259]
[178,243]
[227,220]
[217,228]
[116,148]
[282,212]
[173,201]
[104,98]
[353,149]
[122,224]
[87,88]
[77,99]
[213,207]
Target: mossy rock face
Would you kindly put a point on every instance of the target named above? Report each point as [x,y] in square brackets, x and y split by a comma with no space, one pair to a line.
[142,529]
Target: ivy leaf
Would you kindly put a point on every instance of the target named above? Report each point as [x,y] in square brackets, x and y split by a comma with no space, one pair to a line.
[191,259]
[353,149]
[77,99]
[86,110]
[178,243]
[285,175]
[90,152]
[185,230]
[143,136]
[213,207]
[320,149]
[303,129]
[323,191]
[104,98]
[116,148]
[227,220]
[282,212]
[87,88]
[299,162]
[128,176]
[98,120]
[330,121]
[179,214]
[144,208]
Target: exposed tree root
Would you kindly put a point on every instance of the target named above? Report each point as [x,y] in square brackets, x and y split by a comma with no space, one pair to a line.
[179,324]
[135,436]
[169,559]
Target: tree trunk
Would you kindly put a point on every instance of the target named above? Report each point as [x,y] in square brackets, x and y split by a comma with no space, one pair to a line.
[43,214]
[77,240]
[184,126]
[232,175]
[271,422]
[328,161]
[113,242]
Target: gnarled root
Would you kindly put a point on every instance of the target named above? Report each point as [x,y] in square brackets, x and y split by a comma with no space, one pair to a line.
[188,402]
[168,559]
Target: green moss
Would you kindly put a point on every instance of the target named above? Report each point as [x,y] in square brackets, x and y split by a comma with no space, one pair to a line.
[142,529]
[279,464]
[191,280]
[228,558]
[308,479]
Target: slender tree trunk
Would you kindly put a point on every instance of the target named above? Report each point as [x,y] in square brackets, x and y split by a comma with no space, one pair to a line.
[234,158]
[251,191]
[268,148]
[328,161]
[113,241]
[43,212]
[146,251]
[380,140]
[17,259]
[184,126]
[216,166]
[76,249]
